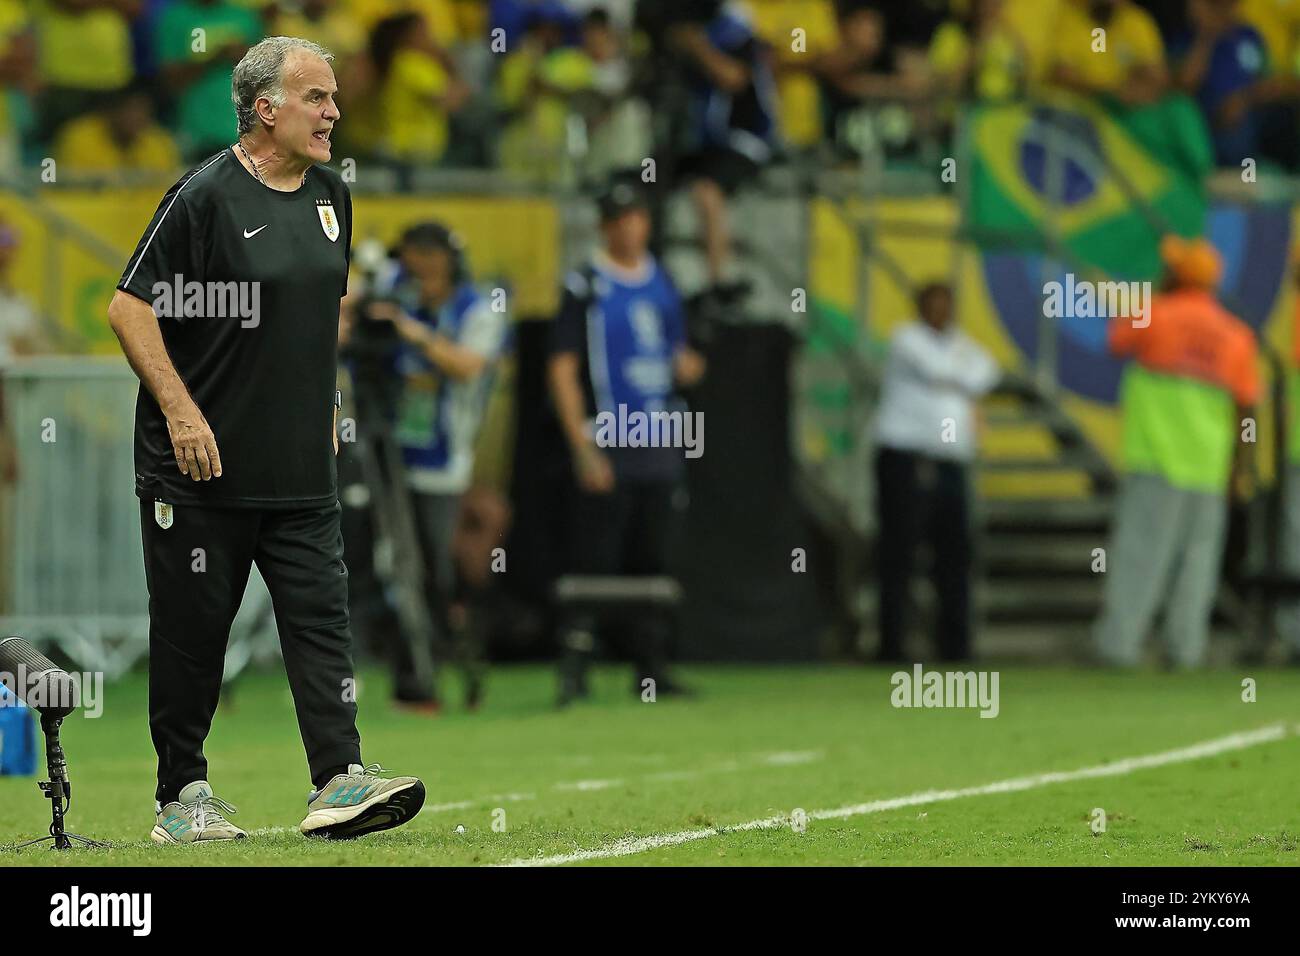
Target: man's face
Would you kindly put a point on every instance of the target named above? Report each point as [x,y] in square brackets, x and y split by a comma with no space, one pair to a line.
[599,42]
[627,235]
[863,31]
[304,123]
[936,309]
[130,117]
[432,270]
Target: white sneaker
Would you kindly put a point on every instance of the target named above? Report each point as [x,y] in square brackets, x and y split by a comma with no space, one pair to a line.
[360,802]
[195,816]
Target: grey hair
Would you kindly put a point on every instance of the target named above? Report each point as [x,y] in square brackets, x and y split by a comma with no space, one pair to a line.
[261,73]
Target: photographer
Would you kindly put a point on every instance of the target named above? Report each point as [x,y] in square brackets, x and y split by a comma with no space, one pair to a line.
[450,338]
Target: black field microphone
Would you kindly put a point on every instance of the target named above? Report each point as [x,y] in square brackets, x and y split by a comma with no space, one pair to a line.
[43,685]
[48,689]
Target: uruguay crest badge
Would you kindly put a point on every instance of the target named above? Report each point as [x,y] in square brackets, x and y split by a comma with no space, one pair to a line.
[329,222]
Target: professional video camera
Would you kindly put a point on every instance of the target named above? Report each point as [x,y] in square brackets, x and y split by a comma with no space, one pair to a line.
[372,345]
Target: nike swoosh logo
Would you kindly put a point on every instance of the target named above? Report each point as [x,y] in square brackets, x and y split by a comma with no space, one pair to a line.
[250,235]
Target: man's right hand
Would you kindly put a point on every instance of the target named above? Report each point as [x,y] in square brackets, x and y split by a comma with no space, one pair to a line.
[193,444]
[595,473]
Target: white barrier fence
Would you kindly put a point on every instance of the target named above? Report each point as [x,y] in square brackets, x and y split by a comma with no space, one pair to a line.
[71,565]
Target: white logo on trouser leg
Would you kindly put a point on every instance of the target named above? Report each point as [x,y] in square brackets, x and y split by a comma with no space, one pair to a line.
[164,514]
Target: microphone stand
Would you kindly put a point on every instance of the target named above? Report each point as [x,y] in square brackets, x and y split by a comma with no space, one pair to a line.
[58,790]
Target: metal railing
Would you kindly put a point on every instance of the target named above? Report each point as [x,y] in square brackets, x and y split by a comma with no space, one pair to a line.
[72,557]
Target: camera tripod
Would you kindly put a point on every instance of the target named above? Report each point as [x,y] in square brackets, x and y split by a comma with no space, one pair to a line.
[382,471]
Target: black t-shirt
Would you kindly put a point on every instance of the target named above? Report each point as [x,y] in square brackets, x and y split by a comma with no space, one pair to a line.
[251,325]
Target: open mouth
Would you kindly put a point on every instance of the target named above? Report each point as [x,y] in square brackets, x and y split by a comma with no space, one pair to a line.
[321,135]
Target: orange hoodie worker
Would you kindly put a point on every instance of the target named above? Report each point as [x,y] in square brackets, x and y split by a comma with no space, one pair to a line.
[1192,379]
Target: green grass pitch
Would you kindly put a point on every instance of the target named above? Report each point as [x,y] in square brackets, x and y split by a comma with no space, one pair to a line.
[757,743]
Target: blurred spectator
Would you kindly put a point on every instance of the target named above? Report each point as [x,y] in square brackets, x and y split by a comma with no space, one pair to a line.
[439,17]
[621,12]
[617,123]
[85,55]
[1192,380]
[862,71]
[798,98]
[517,17]
[911,25]
[19,335]
[1278,22]
[330,24]
[979,55]
[547,84]
[120,137]
[532,88]
[925,435]
[1251,104]
[20,328]
[17,73]
[625,515]
[144,29]
[197,68]
[1131,65]
[418,89]
[735,117]
[1221,63]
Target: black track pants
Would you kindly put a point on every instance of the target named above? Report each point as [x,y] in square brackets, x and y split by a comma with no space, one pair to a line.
[922,500]
[197,570]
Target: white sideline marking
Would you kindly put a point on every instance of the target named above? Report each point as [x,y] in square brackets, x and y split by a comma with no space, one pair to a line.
[1206,748]
[781,758]
[789,758]
[588,785]
[444,807]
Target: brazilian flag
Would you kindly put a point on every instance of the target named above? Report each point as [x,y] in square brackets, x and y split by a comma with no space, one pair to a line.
[1107,180]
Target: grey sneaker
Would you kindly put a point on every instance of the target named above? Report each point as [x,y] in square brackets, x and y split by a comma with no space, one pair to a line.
[360,802]
[195,816]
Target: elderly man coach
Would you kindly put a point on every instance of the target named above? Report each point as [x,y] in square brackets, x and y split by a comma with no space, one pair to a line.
[235,442]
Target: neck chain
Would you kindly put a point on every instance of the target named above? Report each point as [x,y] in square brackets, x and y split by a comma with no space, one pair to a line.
[258,173]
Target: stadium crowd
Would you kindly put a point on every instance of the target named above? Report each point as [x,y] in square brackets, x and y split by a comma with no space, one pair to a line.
[143,85]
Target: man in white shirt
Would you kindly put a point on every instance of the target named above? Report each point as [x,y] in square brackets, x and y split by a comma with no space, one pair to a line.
[20,334]
[925,436]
